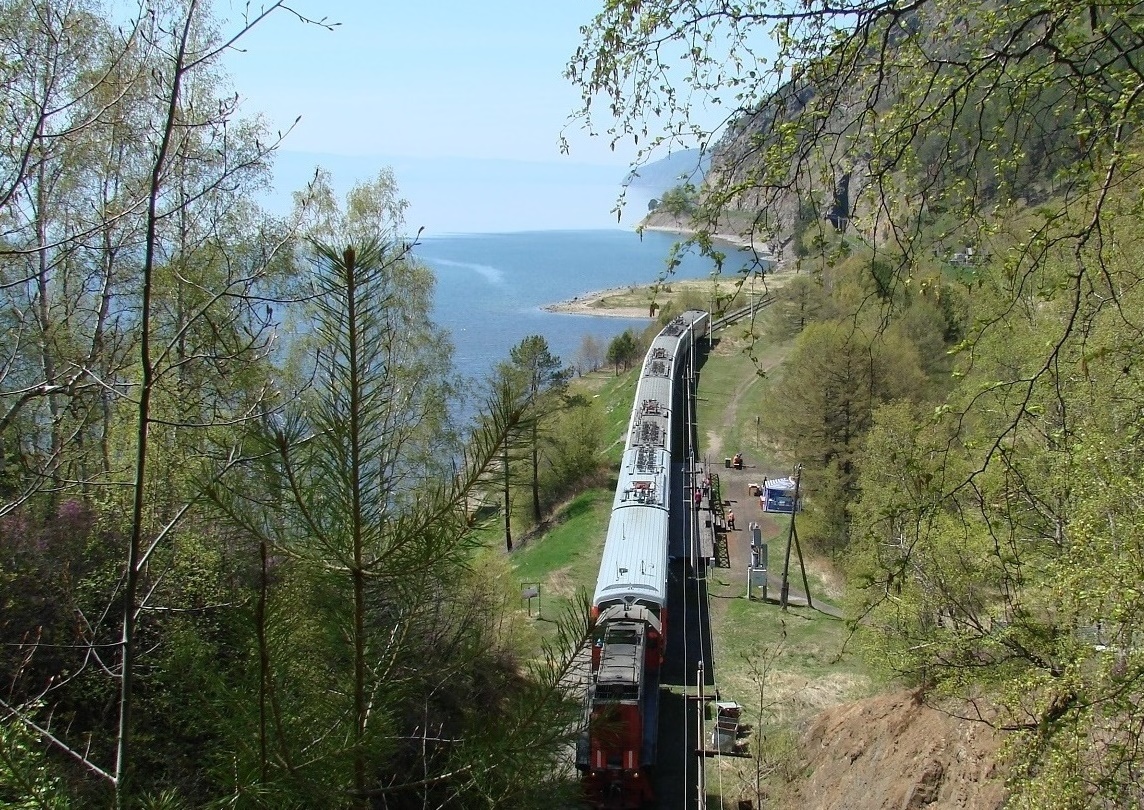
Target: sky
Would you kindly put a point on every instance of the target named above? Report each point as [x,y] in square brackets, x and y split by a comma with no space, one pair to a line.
[465,100]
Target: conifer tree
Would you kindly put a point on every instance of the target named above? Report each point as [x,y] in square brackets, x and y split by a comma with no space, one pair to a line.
[545,379]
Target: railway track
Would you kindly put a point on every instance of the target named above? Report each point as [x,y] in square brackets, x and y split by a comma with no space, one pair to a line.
[643,742]
[731,318]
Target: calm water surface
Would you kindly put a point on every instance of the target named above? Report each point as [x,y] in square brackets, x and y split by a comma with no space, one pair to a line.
[491,287]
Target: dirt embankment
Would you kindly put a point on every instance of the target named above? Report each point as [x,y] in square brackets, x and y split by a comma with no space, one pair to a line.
[892,752]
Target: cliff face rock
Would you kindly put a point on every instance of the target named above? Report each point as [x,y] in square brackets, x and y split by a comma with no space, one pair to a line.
[893,752]
[880,140]
[825,180]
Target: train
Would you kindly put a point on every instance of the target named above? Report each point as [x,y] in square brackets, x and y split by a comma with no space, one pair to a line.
[616,753]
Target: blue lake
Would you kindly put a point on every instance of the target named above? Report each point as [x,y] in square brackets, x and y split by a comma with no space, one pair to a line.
[491,287]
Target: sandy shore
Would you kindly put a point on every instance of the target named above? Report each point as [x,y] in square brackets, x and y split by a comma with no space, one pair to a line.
[735,240]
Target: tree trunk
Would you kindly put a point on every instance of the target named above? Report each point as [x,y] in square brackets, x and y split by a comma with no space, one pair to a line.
[535,471]
[123,764]
[507,500]
[358,567]
[263,660]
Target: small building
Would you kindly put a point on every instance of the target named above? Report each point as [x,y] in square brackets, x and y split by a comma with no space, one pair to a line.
[778,495]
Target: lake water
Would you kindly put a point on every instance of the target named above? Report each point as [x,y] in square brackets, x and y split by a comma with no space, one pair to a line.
[491,287]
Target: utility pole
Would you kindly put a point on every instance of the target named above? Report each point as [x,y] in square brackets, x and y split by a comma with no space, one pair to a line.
[713,284]
[693,507]
[701,763]
[792,537]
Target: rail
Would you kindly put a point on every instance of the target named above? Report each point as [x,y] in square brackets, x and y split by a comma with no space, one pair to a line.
[730,318]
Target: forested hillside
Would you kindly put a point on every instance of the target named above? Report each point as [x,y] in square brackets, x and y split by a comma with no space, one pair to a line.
[958,190]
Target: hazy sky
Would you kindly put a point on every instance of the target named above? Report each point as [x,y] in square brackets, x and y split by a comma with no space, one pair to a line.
[466,100]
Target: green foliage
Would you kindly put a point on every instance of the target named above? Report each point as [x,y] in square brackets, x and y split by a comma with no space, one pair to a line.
[377,646]
[822,408]
[349,487]
[573,448]
[623,350]
[134,343]
[679,201]
[799,302]
[937,126]
[320,634]
[369,213]
[508,388]
[28,779]
[687,300]
[996,534]
[545,379]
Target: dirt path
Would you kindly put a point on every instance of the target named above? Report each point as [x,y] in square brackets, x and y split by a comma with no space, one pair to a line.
[736,483]
[713,439]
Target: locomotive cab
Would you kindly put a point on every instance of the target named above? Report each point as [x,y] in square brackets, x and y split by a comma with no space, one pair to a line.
[652,642]
[619,745]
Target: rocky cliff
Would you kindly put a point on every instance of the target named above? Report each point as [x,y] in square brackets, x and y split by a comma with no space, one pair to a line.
[883,135]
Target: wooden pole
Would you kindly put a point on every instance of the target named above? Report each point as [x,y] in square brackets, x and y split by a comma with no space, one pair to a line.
[785,593]
[701,746]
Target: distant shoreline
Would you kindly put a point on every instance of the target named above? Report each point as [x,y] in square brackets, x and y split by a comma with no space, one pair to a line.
[734,239]
[589,304]
[737,241]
